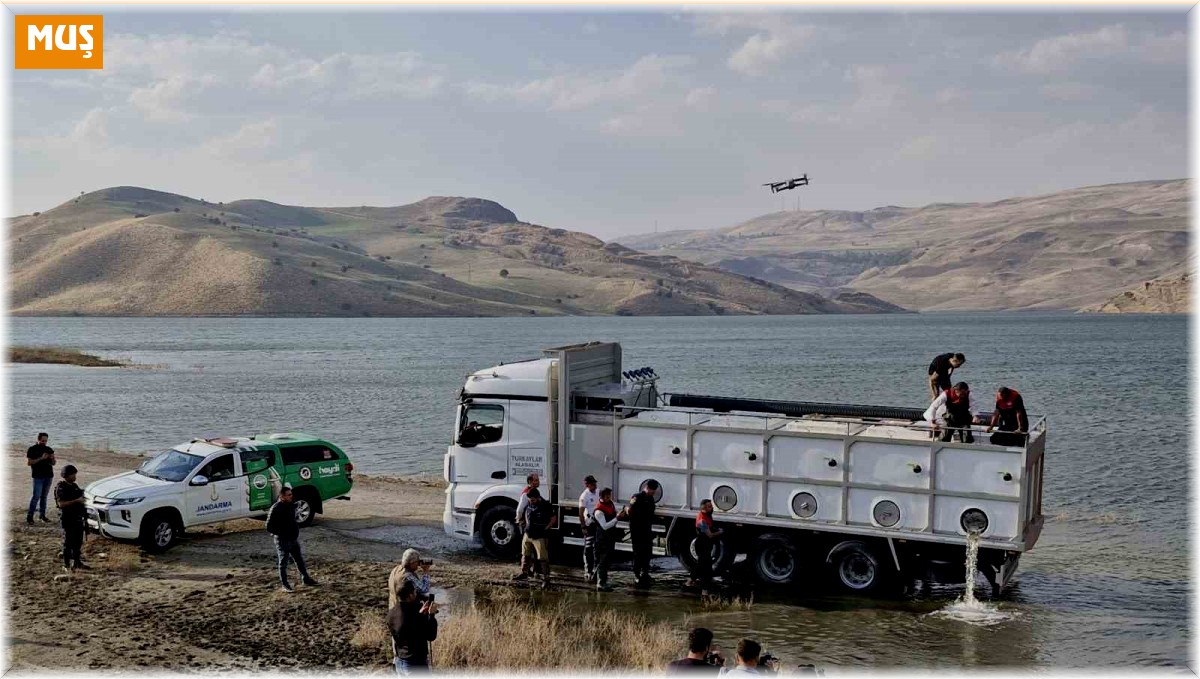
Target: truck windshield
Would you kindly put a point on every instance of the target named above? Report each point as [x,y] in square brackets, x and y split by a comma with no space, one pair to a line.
[170,465]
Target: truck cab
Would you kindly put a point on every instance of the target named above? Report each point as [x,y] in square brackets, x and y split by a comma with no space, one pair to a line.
[211,480]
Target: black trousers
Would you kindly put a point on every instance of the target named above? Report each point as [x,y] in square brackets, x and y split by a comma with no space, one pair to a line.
[72,542]
[605,546]
[1008,438]
[643,550]
[958,425]
[704,548]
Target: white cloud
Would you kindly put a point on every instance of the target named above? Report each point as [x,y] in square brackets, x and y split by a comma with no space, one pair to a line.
[250,140]
[700,96]
[1070,91]
[1062,53]
[774,38]
[166,101]
[644,79]
[92,128]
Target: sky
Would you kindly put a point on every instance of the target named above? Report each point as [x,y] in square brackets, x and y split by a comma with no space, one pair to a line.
[612,123]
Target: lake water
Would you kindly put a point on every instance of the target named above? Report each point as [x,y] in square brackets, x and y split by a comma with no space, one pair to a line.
[1106,585]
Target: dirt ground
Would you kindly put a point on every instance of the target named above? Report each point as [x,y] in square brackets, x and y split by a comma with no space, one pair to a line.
[212,602]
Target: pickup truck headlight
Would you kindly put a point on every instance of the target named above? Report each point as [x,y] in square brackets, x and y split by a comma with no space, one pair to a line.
[126,501]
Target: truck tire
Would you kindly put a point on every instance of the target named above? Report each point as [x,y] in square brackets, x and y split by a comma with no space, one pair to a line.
[498,532]
[307,505]
[160,530]
[776,559]
[685,551]
[858,568]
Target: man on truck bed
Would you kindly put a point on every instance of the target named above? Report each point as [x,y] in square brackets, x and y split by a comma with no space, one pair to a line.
[640,513]
[535,545]
[281,523]
[940,370]
[1010,416]
[952,409]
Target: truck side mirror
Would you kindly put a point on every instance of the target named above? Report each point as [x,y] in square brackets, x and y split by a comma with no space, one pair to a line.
[199,480]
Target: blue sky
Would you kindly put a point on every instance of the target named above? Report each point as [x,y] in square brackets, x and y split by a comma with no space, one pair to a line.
[609,122]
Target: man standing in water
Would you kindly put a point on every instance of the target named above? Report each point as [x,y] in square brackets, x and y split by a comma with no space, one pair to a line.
[640,513]
[940,370]
[40,458]
[706,539]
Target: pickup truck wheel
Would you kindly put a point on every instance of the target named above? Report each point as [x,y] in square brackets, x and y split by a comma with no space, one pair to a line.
[857,568]
[305,507]
[498,532]
[159,531]
[776,559]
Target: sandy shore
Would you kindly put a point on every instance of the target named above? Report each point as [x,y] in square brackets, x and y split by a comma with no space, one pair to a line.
[212,601]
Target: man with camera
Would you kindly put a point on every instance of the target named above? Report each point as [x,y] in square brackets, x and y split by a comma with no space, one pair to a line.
[413,568]
[702,657]
[413,625]
[751,660]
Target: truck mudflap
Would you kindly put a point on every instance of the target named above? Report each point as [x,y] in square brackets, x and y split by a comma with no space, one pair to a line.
[1008,569]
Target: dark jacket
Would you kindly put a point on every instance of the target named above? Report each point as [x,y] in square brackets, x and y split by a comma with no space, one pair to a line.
[411,631]
[641,513]
[281,520]
[75,514]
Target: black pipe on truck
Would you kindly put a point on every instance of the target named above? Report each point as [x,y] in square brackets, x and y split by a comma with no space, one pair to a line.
[725,404]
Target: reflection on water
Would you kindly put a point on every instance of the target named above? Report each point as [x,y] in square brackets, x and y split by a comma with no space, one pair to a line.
[1107,584]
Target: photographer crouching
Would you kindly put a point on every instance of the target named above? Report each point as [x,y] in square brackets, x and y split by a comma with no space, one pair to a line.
[702,657]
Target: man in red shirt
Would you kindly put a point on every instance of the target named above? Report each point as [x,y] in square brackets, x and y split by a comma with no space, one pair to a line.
[706,538]
[1010,417]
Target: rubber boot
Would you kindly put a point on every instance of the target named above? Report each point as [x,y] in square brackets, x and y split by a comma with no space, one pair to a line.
[545,574]
[524,574]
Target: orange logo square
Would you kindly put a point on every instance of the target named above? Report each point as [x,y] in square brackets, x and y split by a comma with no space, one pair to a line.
[59,41]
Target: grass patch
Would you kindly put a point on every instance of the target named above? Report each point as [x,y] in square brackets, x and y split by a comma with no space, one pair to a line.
[59,355]
[508,635]
[372,633]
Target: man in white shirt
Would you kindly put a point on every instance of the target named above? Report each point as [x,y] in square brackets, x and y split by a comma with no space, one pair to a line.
[587,506]
[748,651]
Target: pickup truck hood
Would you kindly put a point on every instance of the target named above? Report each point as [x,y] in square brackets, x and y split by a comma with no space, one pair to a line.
[129,483]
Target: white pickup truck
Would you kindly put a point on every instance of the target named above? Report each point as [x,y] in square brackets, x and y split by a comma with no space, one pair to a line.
[207,481]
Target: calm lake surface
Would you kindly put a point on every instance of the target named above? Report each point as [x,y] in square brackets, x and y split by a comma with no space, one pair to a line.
[1107,584]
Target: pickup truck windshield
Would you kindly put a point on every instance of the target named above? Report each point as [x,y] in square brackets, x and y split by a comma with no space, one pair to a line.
[170,465]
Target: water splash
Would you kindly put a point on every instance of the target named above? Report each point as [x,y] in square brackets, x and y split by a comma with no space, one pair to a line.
[967,608]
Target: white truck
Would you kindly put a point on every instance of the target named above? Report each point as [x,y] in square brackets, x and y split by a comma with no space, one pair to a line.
[863,494]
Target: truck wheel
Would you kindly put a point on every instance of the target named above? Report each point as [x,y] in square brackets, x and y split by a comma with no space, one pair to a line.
[498,532]
[306,506]
[857,568]
[159,531]
[776,559]
[722,556]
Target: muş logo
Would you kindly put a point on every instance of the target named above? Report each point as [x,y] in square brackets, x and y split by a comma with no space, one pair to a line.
[59,41]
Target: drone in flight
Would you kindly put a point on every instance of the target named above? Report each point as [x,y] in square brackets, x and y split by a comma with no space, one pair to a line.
[787,184]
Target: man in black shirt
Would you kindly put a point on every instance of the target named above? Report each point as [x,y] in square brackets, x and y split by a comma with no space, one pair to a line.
[69,498]
[539,520]
[940,370]
[413,625]
[640,513]
[281,523]
[40,458]
[701,657]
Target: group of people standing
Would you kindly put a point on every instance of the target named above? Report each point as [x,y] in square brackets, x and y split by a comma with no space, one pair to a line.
[68,497]
[950,413]
[598,519]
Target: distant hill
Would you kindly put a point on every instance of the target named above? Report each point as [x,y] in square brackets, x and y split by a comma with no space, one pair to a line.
[1171,295]
[1065,250]
[135,251]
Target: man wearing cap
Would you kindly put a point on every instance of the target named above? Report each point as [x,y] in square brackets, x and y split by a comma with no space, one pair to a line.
[69,498]
[587,508]
[539,519]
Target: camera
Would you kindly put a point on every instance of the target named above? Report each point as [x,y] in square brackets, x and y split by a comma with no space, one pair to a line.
[426,562]
[713,658]
[768,664]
